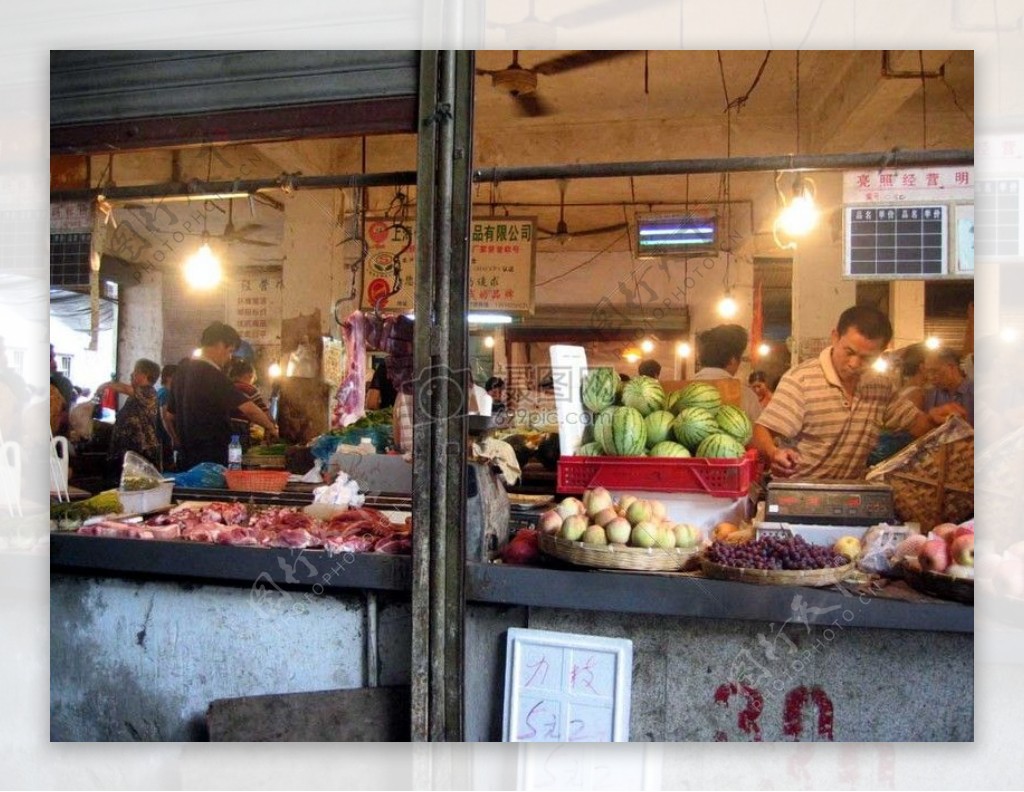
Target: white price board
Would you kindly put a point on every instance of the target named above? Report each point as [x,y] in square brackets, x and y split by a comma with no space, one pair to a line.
[563,687]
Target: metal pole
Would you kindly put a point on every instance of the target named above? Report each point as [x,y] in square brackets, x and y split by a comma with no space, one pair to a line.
[372,644]
[795,162]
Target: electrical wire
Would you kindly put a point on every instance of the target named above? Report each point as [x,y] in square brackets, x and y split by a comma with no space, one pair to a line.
[571,270]
[924,102]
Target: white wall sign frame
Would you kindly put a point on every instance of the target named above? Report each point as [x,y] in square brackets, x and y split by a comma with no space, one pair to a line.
[563,687]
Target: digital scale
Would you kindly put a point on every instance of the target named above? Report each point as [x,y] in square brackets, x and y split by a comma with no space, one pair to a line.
[829,502]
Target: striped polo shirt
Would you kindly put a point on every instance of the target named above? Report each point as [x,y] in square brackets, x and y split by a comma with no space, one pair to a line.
[832,433]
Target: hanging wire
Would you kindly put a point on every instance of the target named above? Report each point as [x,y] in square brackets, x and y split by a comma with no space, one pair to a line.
[924,102]
[798,102]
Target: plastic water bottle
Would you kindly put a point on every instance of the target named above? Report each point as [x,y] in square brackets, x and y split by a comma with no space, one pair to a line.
[366,446]
[234,454]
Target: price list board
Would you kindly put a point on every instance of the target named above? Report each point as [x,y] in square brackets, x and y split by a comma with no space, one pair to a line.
[70,243]
[896,241]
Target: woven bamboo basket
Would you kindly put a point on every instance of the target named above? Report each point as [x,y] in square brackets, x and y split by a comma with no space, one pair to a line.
[637,559]
[256,480]
[937,584]
[932,479]
[777,577]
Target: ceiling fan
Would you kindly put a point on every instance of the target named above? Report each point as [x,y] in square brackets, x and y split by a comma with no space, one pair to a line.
[521,83]
[241,235]
[561,234]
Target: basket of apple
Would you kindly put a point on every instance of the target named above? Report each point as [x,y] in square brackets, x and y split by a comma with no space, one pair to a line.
[941,563]
[631,533]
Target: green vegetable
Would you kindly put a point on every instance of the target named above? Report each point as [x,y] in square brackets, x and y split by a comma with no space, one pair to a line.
[104,503]
[277,449]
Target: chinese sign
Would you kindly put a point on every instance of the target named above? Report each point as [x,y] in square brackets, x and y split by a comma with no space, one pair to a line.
[500,266]
[911,184]
[70,243]
[254,305]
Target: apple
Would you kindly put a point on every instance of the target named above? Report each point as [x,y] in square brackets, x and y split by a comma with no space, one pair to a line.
[848,546]
[618,531]
[594,535]
[644,534]
[639,511]
[599,500]
[910,546]
[573,527]
[686,535]
[570,507]
[934,556]
[962,550]
[963,530]
[665,537]
[943,531]
[960,571]
[550,522]
[604,517]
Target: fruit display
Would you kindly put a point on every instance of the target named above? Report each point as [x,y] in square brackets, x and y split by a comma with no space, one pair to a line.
[792,553]
[639,419]
[597,520]
[948,549]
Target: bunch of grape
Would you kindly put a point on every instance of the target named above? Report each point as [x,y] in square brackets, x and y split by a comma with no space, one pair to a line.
[772,552]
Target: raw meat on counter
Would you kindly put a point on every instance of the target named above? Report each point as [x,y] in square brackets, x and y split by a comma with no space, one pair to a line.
[363,530]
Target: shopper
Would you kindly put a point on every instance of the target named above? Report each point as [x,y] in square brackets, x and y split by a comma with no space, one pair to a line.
[949,384]
[649,368]
[758,382]
[135,425]
[826,413]
[721,352]
[202,399]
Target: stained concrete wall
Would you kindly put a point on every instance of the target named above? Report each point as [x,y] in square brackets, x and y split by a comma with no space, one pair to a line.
[133,660]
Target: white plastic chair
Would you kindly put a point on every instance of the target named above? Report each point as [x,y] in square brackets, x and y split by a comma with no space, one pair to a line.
[59,455]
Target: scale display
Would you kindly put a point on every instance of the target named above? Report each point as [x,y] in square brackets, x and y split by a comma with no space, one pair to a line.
[897,240]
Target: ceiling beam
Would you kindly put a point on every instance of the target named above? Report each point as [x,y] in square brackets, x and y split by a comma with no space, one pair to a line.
[867,95]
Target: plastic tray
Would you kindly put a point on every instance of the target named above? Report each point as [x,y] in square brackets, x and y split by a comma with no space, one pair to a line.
[726,478]
[145,501]
[256,480]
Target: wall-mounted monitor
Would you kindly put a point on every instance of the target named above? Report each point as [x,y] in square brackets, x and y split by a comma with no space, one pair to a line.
[676,234]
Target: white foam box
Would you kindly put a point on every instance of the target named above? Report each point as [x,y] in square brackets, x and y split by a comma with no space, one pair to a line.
[145,501]
[696,508]
[568,368]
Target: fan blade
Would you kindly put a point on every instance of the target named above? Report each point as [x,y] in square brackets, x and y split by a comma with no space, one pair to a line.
[486,72]
[577,60]
[531,105]
[601,229]
[254,242]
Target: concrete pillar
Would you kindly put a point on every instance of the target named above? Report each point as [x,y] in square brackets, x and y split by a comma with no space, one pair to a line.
[906,311]
[312,256]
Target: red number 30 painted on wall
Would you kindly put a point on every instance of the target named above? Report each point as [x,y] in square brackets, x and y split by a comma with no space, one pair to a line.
[793,707]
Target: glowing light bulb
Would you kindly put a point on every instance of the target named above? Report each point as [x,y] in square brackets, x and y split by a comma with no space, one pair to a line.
[197,352]
[489,342]
[683,349]
[764,350]
[274,371]
[931,342]
[202,270]
[881,365]
[647,345]
[727,307]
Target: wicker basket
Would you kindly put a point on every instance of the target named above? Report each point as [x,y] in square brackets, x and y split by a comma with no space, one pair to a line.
[276,461]
[938,585]
[637,559]
[256,480]
[932,479]
[777,577]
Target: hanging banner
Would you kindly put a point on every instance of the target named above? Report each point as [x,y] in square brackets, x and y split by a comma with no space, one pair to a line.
[254,305]
[501,265]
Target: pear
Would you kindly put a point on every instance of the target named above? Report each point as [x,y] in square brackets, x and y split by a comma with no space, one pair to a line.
[618,531]
[645,534]
[639,511]
[574,527]
[604,517]
[686,535]
[550,522]
[600,499]
[665,537]
[595,535]
[658,510]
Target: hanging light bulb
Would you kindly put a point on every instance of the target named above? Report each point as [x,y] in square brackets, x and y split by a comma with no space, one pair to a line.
[800,215]
[764,350]
[683,349]
[197,352]
[274,371]
[881,365]
[632,355]
[727,307]
[932,342]
[489,341]
[202,269]
[647,345]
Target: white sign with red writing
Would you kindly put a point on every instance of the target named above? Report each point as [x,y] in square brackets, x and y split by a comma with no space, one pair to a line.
[254,306]
[500,266]
[909,184]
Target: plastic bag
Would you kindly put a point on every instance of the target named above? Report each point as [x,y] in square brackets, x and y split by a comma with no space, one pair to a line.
[139,473]
[324,446]
[205,475]
[879,544]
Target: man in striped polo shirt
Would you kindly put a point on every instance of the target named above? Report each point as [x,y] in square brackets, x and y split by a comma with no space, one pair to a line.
[826,414]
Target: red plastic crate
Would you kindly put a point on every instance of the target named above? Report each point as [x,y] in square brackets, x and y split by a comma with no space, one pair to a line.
[724,478]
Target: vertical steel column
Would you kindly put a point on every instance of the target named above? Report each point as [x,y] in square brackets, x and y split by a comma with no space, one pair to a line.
[439,432]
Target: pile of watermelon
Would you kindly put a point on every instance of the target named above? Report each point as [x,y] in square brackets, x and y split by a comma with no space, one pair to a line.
[640,419]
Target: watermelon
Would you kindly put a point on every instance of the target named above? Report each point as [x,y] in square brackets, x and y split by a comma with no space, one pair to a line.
[599,388]
[672,401]
[659,426]
[668,449]
[621,431]
[692,425]
[721,446]
[644,394]
[735,422]
[590,449]
[699,394]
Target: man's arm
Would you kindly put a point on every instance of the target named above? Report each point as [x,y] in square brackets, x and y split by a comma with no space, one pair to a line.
[936,416]
[172,431]
[783,461]
[257,416]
